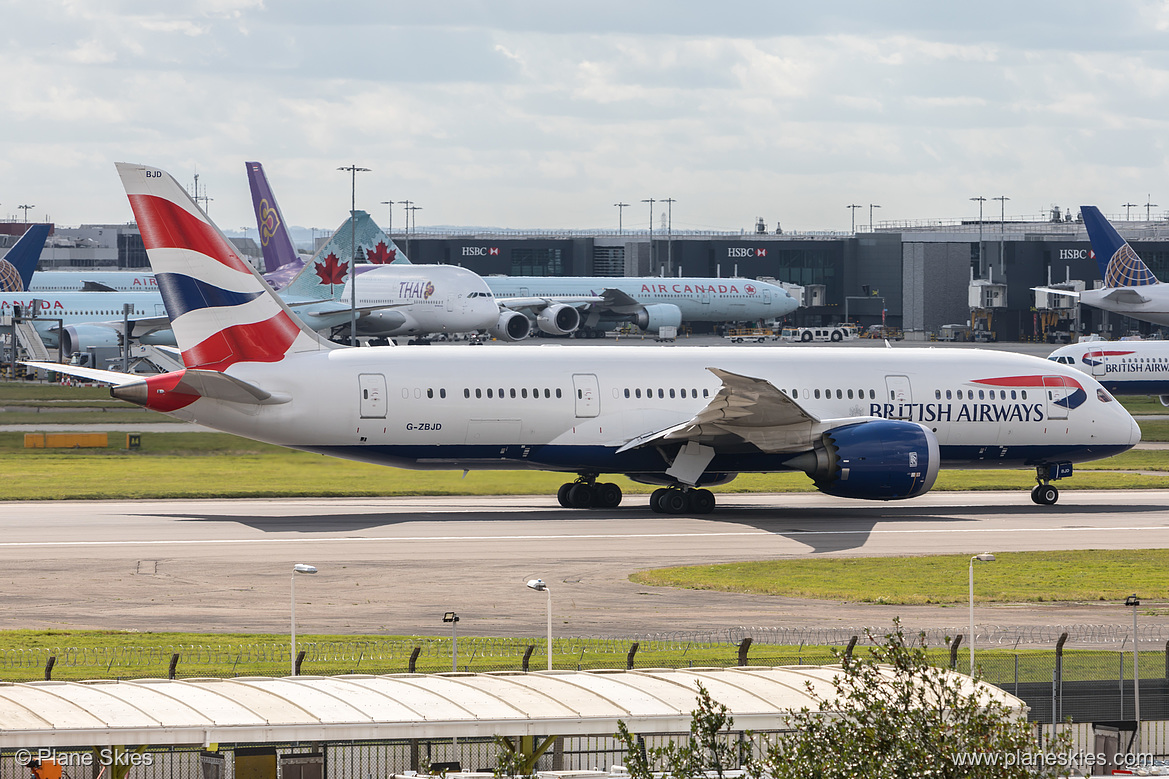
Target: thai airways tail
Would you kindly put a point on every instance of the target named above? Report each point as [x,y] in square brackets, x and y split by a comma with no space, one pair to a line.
[221,311]
[20,262]
[274,239]
[1119,264]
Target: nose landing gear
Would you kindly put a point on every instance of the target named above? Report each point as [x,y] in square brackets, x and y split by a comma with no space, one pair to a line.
[1045,494]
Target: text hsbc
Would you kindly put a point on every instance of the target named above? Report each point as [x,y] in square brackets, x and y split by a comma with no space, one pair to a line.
[479,251]
[738,251]
[1073,254]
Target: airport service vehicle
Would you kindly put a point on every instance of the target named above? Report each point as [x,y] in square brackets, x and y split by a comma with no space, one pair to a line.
[863,423]
[831,333]
[1122,367]
[1130,288]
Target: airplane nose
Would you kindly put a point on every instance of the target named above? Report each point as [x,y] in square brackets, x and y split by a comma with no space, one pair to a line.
[1134,433]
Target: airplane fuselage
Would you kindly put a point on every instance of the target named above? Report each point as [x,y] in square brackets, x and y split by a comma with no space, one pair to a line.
[422,299]
[571,408]
[1122,367]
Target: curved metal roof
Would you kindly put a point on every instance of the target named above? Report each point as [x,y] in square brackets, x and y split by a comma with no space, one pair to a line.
[318,708]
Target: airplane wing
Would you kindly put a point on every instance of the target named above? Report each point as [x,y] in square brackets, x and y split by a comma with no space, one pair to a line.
[747,410]
[1054,291]
[541,302]
[1126,296]
[620,302]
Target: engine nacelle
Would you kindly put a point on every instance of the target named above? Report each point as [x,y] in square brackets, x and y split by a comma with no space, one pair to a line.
[511,326]
[886,459]
[1165,400]
[558,319]
[659,315]
[79,338]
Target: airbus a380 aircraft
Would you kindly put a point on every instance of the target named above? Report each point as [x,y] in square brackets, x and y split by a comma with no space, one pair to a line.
[863,423]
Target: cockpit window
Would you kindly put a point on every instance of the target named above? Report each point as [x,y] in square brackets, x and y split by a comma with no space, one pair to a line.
[1103,395]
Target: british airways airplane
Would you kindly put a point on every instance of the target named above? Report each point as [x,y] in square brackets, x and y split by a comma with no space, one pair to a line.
[862,423]
[1122,367]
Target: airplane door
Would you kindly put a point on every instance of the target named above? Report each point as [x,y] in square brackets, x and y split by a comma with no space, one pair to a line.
[159,309]
[373,395]
[450,304]
[1056,391]
[767,297]
[1096,360]
[900,395]
[704,298]
[588,394]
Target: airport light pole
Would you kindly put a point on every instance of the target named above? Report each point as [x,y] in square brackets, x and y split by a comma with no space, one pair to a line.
[353,170]
[985,557]
[980,201]
[298,568]
[1149,206]
[651,202]
[1128,211]
[413,218]
[871,207]
[620,212]
[26,210]
[390,227]
[853,207]
[453,618]
[539,586]
[1002,231]
[1133,601]
[669,201]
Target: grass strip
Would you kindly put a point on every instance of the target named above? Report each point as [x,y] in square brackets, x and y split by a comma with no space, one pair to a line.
[1014,577]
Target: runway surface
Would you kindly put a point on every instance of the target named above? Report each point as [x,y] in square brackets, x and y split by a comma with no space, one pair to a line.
[395,565]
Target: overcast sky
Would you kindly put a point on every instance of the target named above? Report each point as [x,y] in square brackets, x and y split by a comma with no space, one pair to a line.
[536,114]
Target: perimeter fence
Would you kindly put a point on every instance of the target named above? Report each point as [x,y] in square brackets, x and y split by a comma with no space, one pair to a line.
[1079,672]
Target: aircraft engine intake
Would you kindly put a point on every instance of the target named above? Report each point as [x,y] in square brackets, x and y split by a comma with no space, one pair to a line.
[79,338]
[654,317]
[558,319]
[884,459]
[512,326]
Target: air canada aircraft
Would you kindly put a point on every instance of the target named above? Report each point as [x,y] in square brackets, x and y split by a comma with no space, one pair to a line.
[1130,288]
[863,423]
[1122,367]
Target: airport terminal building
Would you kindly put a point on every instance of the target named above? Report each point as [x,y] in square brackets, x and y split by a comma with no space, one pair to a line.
[914,277]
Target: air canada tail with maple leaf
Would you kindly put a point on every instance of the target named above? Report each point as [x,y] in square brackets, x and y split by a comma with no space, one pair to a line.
[326,276]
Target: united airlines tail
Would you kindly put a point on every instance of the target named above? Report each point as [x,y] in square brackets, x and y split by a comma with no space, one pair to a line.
[20,262]
[221,311]
[1119,264]
[274,239]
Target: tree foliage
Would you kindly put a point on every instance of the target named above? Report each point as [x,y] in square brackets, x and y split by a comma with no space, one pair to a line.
[889,715]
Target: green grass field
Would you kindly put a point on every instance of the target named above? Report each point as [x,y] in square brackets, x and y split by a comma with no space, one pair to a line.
[1018,577]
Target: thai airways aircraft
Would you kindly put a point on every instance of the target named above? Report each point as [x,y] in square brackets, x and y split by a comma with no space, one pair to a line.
[1122,367]
[863,423]
[1130,288]
[21,260]
[562,305]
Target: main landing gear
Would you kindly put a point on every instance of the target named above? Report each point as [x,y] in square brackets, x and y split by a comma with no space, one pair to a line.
[586,493]
[1045,494]
[675,500]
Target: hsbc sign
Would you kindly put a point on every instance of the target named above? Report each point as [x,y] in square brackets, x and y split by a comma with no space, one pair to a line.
[1076,254]
[741,251]
[480,251]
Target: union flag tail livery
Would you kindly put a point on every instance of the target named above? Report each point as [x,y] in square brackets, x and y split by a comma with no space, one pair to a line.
[1119,264]
[221,311]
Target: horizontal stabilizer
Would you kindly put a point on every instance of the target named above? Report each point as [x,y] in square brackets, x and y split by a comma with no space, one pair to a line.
[1054,291]
[89,374]
[220,386]
[1127,296]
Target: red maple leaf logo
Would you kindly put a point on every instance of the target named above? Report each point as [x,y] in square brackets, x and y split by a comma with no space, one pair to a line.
[750,288]
[331,271]
[381,254]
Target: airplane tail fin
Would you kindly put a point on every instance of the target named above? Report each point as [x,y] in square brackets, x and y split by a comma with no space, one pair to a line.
[274,239]
[1119,264]
[324,277]
[20,262]
[221,311]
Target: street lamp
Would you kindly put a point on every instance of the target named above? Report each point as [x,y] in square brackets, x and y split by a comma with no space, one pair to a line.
[1133,601]
[353,170]
[651,202]
[298,568]
[453,618]
[390,227]
[26,210]
[1149,206]
[620,212]
[980,201]
[539,586]
[1128,209]
[669,201]
[1002,232]
[985,557]
[871,207]
[853,207]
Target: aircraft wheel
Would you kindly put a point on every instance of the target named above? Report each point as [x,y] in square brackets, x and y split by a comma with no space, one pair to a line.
[655,500]
[607,496]
[1048,494]
[701,501]
[675,502]
[562,495]
[580,496]
[1035,494]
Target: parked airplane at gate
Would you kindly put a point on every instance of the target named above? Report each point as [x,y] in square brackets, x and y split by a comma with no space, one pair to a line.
[563,305]
[1130,288]
[863,423]
[1122,367]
